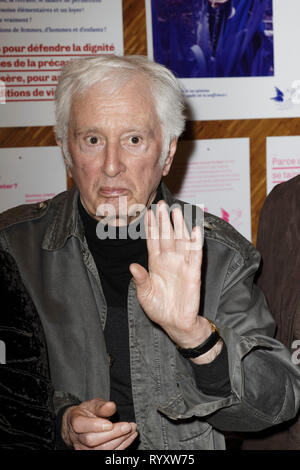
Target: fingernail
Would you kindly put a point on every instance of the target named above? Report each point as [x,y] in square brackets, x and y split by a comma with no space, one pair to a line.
[126,427]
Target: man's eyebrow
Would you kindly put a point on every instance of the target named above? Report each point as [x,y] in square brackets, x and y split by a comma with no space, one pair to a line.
[85,130]
[140,130]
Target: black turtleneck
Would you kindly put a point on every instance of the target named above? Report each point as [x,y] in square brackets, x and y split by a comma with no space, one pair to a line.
[112,258]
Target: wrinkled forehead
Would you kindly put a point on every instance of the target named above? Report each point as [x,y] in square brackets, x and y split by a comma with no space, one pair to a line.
[132,96]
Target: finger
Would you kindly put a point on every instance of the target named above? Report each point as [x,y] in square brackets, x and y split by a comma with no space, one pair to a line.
[196,248]
[152,233]
[97,407]
[88,424]
[104,409]
[166,232]
[120,443]
[120,431]
[140,275]
[127,442]
[181,233]
[88,416]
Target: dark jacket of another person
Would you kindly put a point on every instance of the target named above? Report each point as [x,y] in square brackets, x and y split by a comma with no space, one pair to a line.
[278,242]
[27,419]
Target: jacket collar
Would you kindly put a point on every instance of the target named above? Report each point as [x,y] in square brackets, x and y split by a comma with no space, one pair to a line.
[66,221]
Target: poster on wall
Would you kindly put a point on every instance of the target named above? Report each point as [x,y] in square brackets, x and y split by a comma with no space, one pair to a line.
[283,159]
[235,59]
[30,174]
[36,38]
[214,174]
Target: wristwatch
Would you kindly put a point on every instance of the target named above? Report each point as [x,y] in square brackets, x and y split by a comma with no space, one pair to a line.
[208,344]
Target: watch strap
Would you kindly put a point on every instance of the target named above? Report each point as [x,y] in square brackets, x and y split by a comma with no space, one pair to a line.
[204,347]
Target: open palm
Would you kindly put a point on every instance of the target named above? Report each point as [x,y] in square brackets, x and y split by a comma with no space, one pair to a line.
[170,292]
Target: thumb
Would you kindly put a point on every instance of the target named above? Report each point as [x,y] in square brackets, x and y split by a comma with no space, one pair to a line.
[140,276]
[103,409]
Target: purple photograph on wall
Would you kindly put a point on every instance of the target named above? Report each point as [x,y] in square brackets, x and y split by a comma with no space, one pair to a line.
[214,38]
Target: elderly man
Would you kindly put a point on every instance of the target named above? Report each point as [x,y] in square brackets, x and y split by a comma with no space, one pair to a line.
[140,356]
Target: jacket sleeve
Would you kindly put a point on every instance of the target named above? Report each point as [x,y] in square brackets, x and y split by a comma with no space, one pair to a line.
[265,384]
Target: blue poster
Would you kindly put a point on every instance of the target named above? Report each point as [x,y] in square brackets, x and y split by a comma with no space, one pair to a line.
[235,59]
[214,38]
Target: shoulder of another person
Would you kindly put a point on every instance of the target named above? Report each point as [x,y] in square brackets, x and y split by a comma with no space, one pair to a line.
[284,196]
[28,212]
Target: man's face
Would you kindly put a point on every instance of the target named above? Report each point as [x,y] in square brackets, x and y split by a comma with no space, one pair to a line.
[115,142]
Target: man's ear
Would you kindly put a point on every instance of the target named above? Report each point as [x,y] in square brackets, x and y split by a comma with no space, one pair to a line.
[60,144]
[169,159]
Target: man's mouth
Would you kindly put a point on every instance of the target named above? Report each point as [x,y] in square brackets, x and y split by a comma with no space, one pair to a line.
[107,191]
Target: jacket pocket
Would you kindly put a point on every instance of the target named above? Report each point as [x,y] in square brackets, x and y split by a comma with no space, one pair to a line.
[203,441]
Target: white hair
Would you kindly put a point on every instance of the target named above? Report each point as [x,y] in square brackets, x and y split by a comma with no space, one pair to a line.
[80,74]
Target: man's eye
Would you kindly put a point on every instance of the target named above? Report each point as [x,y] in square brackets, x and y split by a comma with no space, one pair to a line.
[93,140]
[134,140]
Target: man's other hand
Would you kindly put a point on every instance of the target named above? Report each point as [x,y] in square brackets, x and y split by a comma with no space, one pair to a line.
[87,427]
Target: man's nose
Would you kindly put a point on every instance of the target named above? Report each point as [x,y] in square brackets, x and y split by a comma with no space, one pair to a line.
[112,164]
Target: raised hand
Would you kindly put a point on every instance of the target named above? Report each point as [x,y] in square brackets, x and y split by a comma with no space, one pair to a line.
[170,292]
